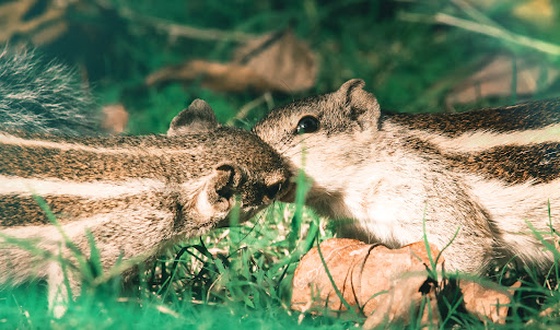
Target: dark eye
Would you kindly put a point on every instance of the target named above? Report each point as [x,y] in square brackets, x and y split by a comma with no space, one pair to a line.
[307,124]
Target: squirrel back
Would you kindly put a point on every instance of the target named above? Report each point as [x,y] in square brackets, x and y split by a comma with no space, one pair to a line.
[42,96]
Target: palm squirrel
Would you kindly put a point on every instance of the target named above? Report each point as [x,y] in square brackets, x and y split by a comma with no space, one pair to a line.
[135,195]
[485,182]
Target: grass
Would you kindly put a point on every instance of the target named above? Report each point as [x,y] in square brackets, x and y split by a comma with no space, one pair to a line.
[234,278]
[241,274]
[238,276]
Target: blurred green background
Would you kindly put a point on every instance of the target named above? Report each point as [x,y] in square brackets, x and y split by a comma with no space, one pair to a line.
[413,55]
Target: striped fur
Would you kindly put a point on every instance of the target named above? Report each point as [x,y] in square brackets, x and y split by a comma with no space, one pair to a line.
[135,194]
[100,171]
[486,176]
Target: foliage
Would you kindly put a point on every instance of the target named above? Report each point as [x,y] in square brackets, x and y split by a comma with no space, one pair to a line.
[411,54]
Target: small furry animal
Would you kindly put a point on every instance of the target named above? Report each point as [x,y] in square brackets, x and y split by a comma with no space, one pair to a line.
[486,182]
[131,195]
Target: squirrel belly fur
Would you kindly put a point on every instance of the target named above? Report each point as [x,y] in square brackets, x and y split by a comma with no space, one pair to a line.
[485,182]
[134,195]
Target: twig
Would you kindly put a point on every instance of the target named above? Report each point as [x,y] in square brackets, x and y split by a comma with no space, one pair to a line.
[244,111]
[497,32]
[175,30]
[489,30]
[474,13]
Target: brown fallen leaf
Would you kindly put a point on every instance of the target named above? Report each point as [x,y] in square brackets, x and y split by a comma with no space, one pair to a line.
[486,303]
[387,286]
[115,118]
[38,26]
[274,62]
[287,63]
[495,79]
[215,76]
[538,12]
[381,283]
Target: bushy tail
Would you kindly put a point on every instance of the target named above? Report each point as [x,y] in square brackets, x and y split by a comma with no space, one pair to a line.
[43,96]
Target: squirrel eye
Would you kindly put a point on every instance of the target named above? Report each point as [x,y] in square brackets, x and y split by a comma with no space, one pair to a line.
[307,124]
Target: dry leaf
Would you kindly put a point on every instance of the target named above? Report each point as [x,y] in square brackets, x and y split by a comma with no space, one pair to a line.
[387,285]
[287,63]
[539,12]
[383,284]
[215,76]
[22,18]
[486,303]
[115,118]
[495,79]
[277,62]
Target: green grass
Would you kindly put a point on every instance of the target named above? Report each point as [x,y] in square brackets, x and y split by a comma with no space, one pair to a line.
[235,278]
[239,277]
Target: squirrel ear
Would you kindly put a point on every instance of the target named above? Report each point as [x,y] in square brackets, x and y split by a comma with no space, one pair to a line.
[361,105]
[215,198]
[197,118]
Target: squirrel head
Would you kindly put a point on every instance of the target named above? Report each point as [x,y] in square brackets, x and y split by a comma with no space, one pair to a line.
[349,109]
[322,134]
[246,170]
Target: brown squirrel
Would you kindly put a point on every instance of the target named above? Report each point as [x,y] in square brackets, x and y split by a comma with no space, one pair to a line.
[135,195]
[486,182]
